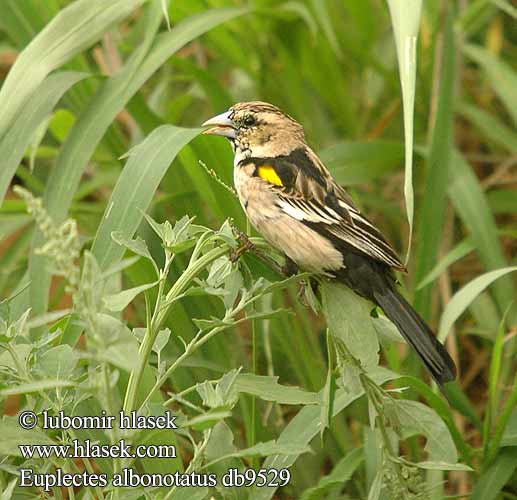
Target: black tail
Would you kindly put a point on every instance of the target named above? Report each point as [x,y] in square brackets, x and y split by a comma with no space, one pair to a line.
[417,334]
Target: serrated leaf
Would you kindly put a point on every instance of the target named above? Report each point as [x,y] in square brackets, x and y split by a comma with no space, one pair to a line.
[268,389]
[416,418]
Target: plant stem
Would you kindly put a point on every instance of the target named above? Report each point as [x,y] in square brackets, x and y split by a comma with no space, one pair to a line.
[193,269]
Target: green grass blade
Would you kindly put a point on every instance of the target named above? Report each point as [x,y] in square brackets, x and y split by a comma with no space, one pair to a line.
[489,484]
[324,18]
[502,423]
[462,299]
[490,126]
[405,19]
[15,142]
[434,202]
[501,75]
[458,252]
[73,29]
[471,205]
[135,189]
[493,380]
[109,101]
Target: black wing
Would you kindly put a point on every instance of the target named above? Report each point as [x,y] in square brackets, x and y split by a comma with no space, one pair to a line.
[308,193]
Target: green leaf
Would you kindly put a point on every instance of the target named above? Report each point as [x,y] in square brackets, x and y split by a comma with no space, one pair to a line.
[17,138]
[376,487]
[207,420]
[73,29]
[268,389]
[137,245]
[432,213]
[340,475]
[220,442]
[306,425]
[135,189]
[264,450]
[348,318]
[464,297]
[329,390]
[7,494]
[119,301]
[90,127]
[58,362]
[436,465]
[416,418]
[509,437]
[442,409]
[493,378]
[505,6]
[471,205]
[122,346]
[161,340]
[502,422]
[501,75]
[494,479]
[405,20]
[13,436]
[458,252]
[222,394]
[325,20]
[39,385]
[490,126]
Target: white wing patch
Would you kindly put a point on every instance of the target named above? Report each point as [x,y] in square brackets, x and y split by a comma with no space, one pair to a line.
[359,232]
[294,212]
[309,211]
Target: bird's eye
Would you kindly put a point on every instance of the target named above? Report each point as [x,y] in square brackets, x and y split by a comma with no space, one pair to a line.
[249,120]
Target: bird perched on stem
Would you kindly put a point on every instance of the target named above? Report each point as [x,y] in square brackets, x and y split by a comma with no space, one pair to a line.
[291,198]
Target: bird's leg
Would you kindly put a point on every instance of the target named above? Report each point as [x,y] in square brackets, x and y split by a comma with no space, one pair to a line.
[247,246]
[289,268]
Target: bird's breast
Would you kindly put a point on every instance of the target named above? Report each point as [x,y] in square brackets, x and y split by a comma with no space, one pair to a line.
[304,246]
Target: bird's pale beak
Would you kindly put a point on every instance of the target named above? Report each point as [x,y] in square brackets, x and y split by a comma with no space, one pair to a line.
[221,125]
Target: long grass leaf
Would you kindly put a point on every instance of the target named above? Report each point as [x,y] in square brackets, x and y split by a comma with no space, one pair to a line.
[405,19]
[14,144]
[91,126]
[434,202]
[501,75]
[462,299]
[74,28]
[490,126]
[489,484]
[458,252]
[135,188]
[471,205]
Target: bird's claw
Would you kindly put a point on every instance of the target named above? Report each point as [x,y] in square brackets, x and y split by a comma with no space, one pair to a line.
[245,245]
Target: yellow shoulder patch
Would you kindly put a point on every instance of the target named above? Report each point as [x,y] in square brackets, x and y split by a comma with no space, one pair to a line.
[267,172]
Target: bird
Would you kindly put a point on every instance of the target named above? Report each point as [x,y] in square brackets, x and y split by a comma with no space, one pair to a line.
[293,201]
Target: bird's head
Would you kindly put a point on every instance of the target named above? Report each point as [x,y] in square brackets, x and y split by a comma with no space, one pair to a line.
[257,129]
